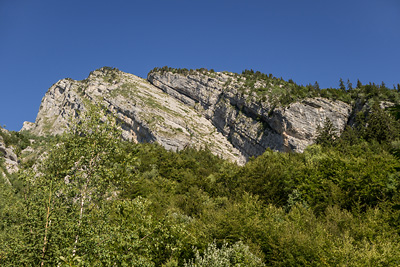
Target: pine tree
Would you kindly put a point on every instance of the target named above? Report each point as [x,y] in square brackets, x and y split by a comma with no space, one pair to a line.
[316,86]
[349,85]
[341,85]
[381,125]
[326,135]
[359,84]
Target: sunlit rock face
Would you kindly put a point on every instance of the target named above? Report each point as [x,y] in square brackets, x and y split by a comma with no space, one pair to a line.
[199,109]
[146,113]
[250,123]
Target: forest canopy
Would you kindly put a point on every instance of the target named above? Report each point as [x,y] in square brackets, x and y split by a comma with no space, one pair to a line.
[96,200]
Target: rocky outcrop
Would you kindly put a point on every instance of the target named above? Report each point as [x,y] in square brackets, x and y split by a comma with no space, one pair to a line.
[8,156]
[27,126]
[146,113]
[198,109]
[252,123]
[298,123]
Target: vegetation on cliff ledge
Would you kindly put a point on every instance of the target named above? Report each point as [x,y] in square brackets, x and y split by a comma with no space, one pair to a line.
[279,92]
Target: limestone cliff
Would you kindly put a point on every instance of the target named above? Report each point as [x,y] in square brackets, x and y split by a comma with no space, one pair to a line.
[146,113]
[252,122]
[196,108]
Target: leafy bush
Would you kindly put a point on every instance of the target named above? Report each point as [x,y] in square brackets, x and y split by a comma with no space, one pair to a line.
[19,140]
[236,255]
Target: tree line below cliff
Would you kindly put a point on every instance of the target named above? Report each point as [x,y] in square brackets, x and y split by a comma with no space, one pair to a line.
[94,199]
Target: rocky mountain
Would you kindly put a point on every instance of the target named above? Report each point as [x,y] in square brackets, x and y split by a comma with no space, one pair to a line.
[146,113]
[218,110]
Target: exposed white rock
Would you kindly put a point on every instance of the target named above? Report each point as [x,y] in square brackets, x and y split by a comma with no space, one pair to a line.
[252,125]
[299,122]
[27,126]
[198,110]
[147,113]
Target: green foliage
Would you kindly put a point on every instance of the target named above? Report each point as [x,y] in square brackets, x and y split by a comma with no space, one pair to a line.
[282,93]
[236,255]
[326,135]
[381,126]
[395,149]
[336,94]
[359,84]
[349,85]
[341,85]
[96,200]
[19,140]
[279,92]
[377,125]
[182,71]
[395,111]
[110,75]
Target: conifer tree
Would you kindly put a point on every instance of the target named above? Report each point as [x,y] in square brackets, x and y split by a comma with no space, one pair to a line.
[359,84]
[326,135]
[341,85]
[316,86]
[349,85]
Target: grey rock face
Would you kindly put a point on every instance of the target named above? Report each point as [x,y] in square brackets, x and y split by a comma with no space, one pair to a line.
[198,110]
[147,114]
[252,125]
[61,103]
[298,123]
[27,126]
[11,163]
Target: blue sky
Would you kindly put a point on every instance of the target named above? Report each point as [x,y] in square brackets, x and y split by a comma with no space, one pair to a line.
[43,41]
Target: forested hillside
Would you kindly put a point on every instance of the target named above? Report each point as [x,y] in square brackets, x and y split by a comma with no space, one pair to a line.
[90,198]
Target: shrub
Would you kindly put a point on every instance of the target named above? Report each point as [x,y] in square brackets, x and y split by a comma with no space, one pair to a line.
[236,255]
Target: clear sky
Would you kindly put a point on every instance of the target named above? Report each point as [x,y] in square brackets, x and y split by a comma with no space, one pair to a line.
[43,41]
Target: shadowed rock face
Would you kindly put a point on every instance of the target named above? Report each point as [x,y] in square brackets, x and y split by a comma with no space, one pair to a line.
[252,125]
[199,110]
